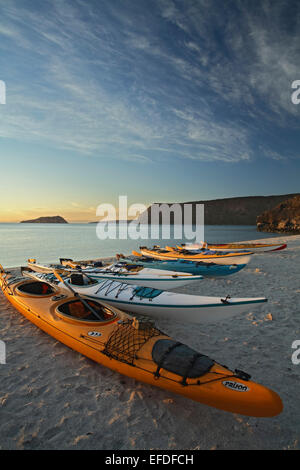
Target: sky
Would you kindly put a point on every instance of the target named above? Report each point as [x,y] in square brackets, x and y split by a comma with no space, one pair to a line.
[159,100]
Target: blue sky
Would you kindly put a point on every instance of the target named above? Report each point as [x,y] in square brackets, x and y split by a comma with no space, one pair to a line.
[161,100]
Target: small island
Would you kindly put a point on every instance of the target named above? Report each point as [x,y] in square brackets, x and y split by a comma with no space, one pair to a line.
[56,219]
[285,217]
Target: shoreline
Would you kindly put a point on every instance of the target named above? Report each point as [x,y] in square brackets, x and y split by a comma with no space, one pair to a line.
[112,259]
[54,398]
[47,245]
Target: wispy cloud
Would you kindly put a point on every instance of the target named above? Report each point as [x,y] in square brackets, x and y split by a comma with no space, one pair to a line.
[111,81]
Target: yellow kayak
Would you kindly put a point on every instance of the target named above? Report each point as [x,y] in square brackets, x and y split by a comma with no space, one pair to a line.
[136,348]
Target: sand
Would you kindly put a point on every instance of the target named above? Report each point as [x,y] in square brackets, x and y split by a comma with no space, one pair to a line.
[53,398]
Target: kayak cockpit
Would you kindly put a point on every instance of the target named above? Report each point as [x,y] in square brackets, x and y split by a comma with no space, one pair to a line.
[80,312]
[81,279]
[35,289]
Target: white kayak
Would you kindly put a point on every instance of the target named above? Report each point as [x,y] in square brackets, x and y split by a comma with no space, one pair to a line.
[154,302]
[141,276]
[233,247]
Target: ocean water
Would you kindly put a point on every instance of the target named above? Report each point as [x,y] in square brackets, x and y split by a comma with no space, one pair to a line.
[49,242]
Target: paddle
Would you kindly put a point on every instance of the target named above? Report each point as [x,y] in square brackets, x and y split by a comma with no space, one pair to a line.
[76,294]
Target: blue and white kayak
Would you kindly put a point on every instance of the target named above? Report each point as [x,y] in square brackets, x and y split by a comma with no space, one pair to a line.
[139,275]
[186,266]
[150,302]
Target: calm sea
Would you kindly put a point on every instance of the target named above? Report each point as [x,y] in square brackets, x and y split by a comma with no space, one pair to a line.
[49,242]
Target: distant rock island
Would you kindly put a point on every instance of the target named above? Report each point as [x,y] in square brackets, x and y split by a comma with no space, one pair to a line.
[56,219]
[229,211]
[285,217]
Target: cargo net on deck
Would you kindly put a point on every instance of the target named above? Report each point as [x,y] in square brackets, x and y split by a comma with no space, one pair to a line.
[124,343]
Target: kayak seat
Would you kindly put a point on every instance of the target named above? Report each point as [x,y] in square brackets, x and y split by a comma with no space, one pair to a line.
[36,288]
[77,310]
[78,279]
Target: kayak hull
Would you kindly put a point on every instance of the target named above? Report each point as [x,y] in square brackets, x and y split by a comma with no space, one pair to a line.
[231,247]
[202,268]
[224,259]
[196,314]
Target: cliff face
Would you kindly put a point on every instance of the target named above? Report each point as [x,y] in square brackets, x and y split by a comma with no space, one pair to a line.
[57,219]
[285,217]
[231,211]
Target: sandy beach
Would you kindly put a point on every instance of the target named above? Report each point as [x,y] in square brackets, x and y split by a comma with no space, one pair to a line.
[53,398]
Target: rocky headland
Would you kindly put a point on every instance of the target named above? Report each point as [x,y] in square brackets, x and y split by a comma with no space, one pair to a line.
[285,217]
[229,211]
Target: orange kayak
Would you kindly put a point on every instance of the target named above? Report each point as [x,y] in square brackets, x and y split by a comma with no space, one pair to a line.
[136,348]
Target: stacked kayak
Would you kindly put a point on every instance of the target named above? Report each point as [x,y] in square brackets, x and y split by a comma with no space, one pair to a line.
[253,247]
[135,348]
[209,256]
[151,302]
[137,275]
[199,268]
[183,265]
